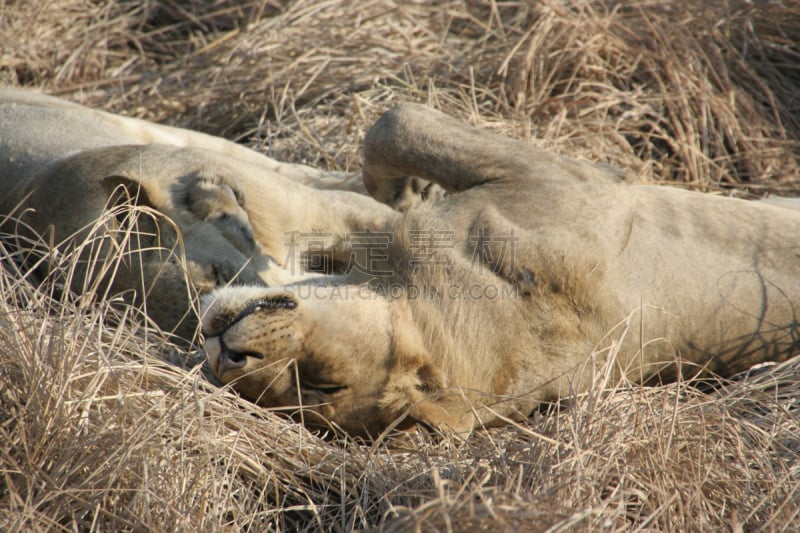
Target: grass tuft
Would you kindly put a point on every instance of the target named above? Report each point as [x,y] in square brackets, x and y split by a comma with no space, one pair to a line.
[107,425]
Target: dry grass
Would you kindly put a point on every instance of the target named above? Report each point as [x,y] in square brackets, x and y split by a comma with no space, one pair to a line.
[104,425]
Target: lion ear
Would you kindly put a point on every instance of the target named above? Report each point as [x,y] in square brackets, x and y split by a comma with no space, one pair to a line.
[124,194]
[433,404]
[122,190]
[418,390]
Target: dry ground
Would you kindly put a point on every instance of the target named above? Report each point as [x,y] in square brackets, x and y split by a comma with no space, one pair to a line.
[104,425]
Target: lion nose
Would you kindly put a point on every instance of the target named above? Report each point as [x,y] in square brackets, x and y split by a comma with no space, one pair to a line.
[228,359]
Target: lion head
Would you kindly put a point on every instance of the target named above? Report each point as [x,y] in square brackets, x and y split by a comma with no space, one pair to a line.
[175,220]
[337,354]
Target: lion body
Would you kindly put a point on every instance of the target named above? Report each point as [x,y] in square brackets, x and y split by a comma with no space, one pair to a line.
[228,209]
[510,267]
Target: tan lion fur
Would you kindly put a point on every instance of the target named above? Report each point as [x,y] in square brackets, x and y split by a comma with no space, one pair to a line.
[233,209]
[574,253]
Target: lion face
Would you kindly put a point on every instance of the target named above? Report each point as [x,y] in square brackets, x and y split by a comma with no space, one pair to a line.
[174,217]
[325,360]
[328,354]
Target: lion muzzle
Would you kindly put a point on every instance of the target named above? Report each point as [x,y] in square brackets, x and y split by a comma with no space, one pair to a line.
[222,359]
[221,322]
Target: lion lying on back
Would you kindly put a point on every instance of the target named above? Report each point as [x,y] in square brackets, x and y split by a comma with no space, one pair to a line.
[488,298]
[228,209]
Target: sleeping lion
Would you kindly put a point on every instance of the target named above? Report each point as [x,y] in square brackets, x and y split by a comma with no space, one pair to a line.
[210,212]
[508,268]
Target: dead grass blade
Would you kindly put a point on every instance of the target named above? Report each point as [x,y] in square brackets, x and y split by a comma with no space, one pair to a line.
[107,425]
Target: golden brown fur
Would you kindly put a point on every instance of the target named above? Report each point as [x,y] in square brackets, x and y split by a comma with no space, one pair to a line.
[509,267]
[223,213]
